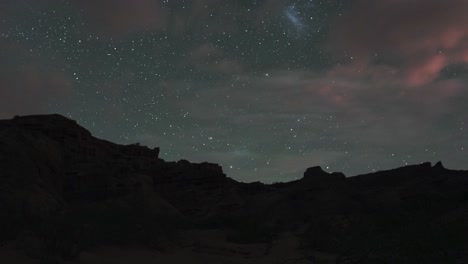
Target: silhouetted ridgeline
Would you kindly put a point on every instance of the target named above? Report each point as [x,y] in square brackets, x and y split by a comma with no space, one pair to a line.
[63,191]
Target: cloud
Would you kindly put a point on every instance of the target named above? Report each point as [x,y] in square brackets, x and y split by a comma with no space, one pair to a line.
[345,113]
[118,18]
[205,52]
[211,59]
[419,38]
[28,87]
[270,8]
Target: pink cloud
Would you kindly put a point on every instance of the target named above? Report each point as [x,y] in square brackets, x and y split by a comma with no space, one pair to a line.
[427,70]
[419,38]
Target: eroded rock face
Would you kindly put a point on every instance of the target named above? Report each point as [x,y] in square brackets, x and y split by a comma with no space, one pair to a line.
[195,189]
[30,173]
[66,161]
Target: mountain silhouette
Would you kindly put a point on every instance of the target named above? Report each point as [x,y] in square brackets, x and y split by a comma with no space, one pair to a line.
[68,197]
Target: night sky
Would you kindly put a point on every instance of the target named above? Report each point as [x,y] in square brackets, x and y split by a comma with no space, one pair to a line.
[265,88]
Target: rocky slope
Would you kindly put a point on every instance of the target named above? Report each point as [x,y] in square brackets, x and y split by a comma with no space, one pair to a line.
[64,192]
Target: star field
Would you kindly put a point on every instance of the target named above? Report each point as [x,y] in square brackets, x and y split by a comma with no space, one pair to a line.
[264,88]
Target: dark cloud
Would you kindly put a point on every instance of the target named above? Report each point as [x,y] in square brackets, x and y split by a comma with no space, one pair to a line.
[210,59]
[26,86]
[117,18]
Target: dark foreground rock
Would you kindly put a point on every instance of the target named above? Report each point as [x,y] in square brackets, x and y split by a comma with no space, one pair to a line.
[65,193]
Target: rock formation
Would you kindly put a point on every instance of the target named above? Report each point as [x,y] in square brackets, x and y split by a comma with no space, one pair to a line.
[56,178]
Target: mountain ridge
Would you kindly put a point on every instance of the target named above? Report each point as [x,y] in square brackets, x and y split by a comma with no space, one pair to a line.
[47,119]
[60,185]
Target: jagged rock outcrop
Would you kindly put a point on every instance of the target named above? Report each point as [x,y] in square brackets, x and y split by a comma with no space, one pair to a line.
[318,176]
[89,168]
[84,166]
[48,163]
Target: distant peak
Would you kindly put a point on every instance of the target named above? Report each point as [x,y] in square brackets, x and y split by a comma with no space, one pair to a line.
[317,172]
[439,165]
[314,171]
[426,164]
